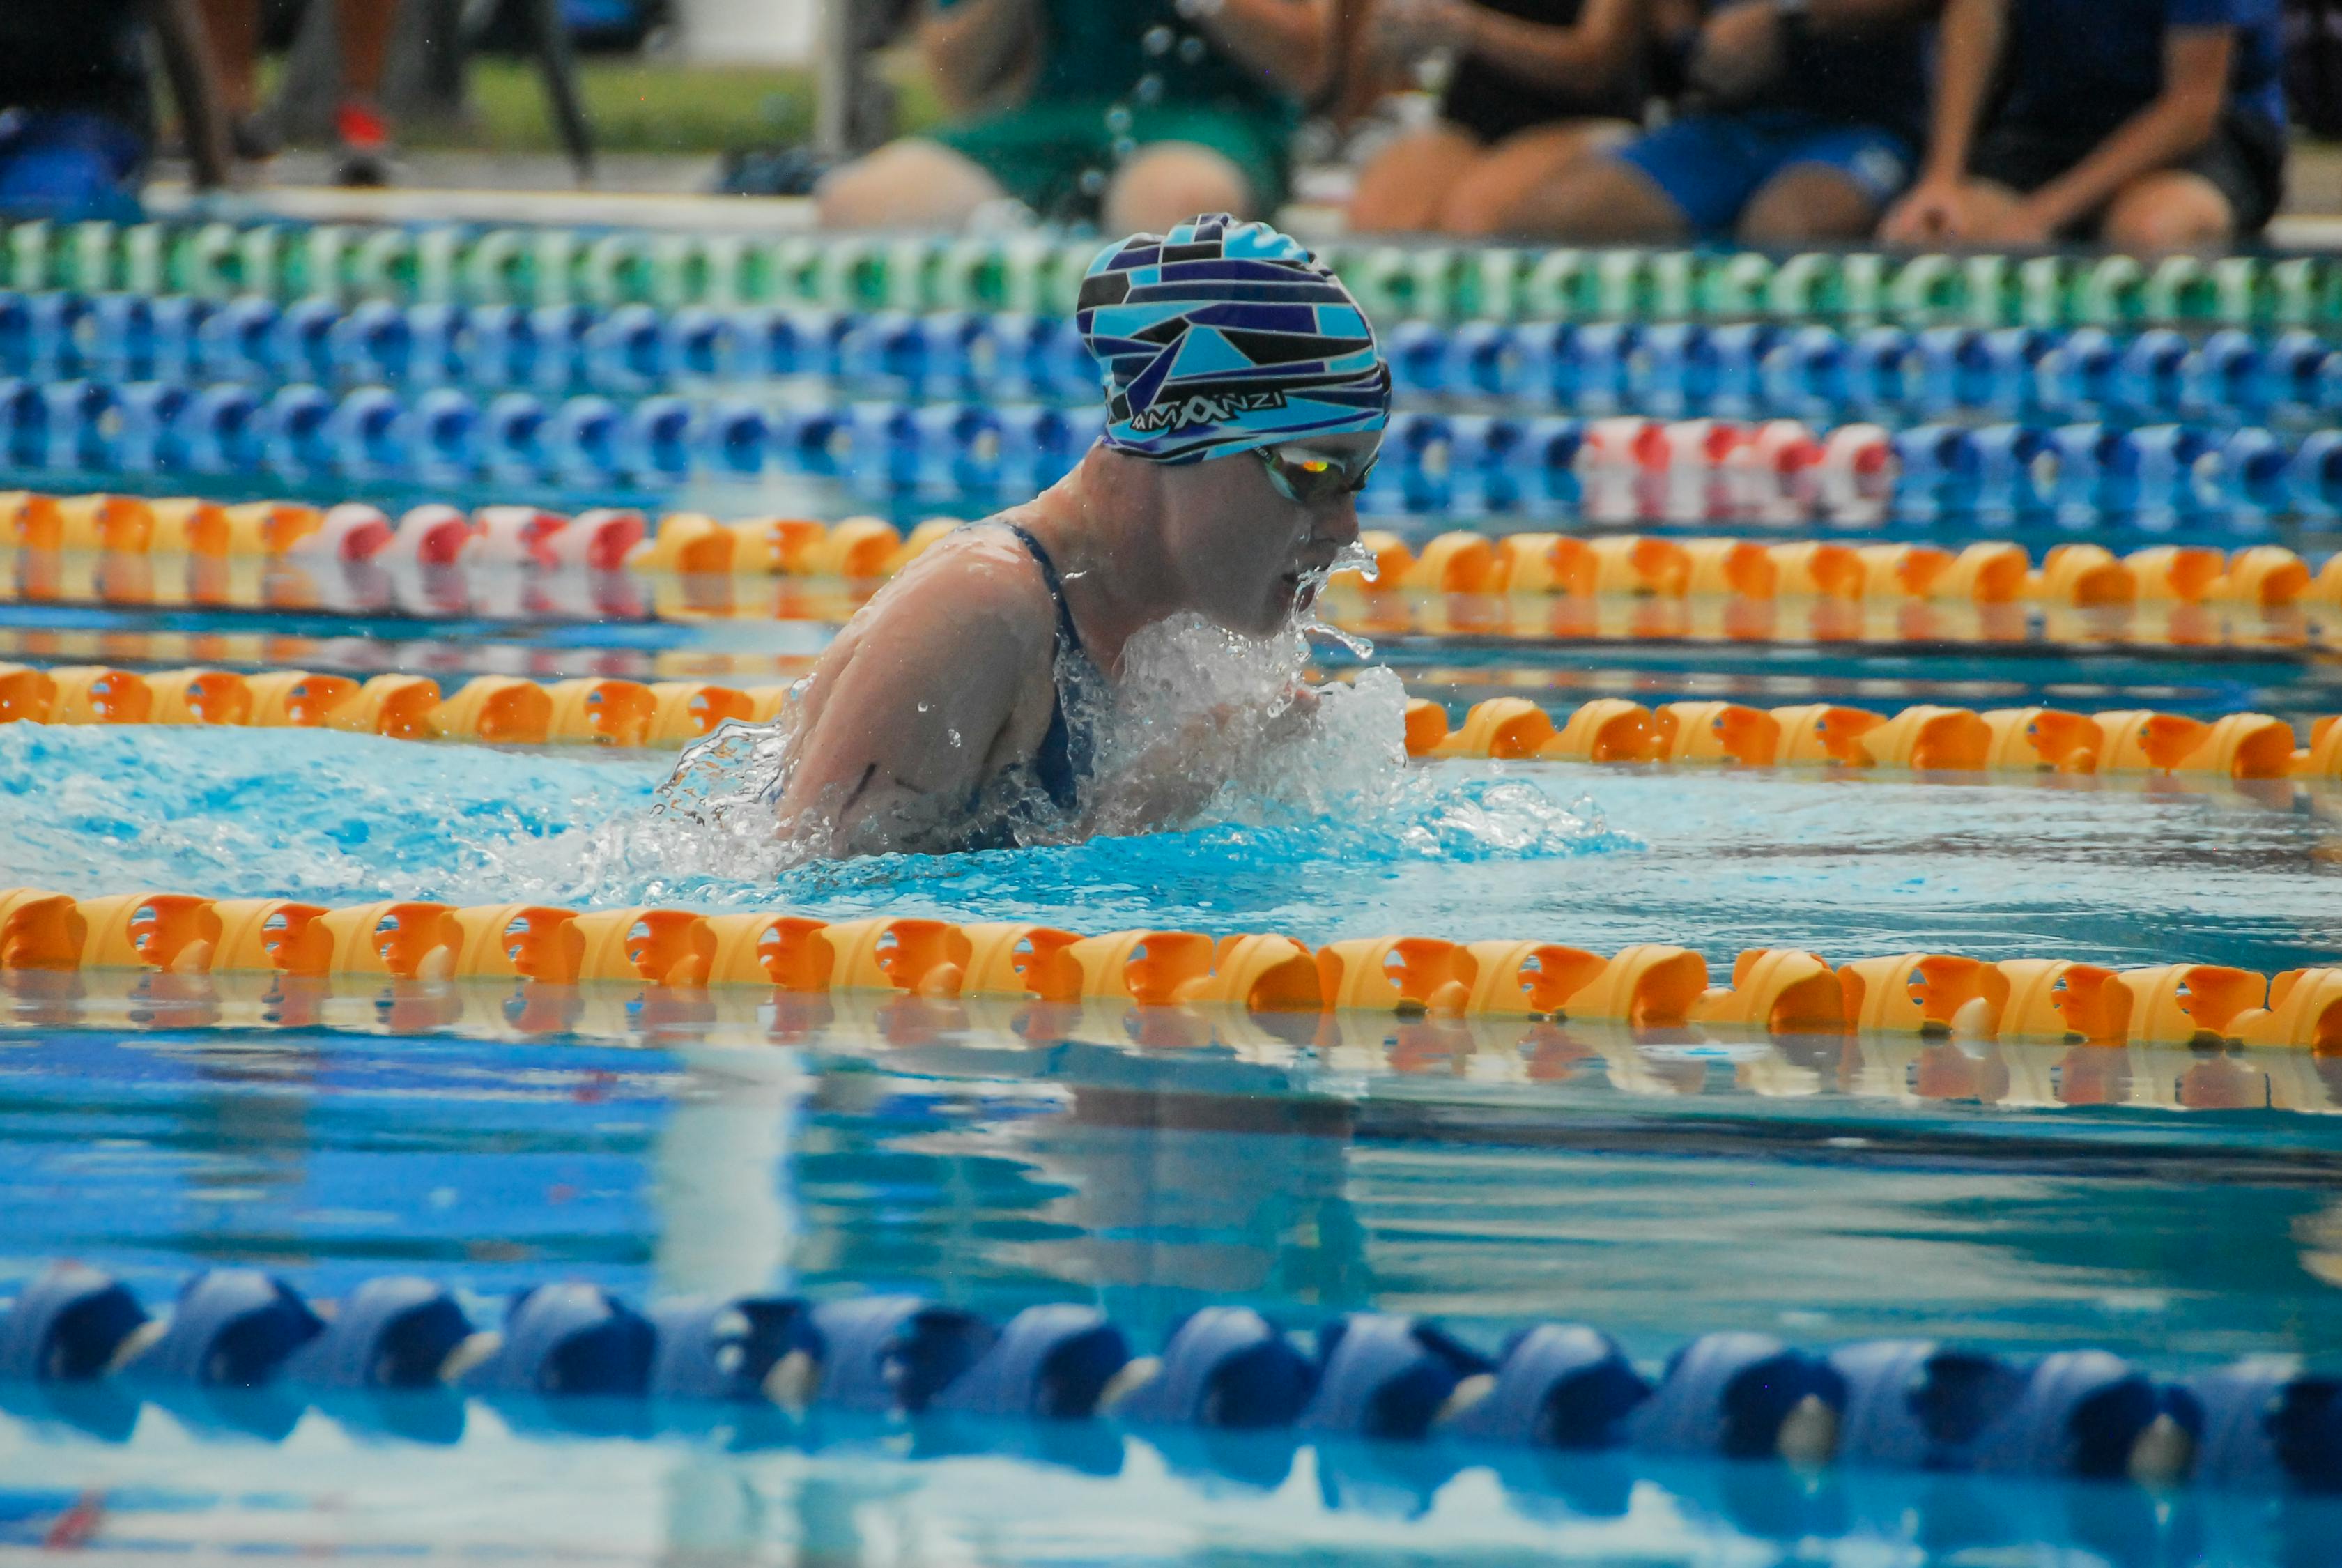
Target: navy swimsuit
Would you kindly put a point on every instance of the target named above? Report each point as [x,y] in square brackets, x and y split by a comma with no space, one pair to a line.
[1068,751]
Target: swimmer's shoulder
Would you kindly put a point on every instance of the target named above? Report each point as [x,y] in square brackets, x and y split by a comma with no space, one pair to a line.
[980,573]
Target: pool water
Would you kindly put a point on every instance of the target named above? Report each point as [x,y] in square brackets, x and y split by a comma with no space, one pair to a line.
[2178,1205]
[2173,1205]
[2113,870]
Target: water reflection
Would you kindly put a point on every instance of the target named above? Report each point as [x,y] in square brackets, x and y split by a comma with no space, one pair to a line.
[996,1495]
[2160,1202]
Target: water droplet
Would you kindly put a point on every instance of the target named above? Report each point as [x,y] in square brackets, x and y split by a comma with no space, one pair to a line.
[1192,49]
[1093,182]
[1150,88]
[923,707]
[1117,119]
[1122,147]
[1157,40]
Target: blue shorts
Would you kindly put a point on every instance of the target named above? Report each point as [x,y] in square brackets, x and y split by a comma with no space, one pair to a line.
[1709,165]
[68,166]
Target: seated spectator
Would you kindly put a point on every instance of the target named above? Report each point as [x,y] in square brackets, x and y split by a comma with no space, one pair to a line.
[2151,125]
[1138,113]
[1803,124]
[77,119]
[1537,84]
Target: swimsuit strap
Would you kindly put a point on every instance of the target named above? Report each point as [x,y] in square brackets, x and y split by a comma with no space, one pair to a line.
[1064,761]
[1068,635]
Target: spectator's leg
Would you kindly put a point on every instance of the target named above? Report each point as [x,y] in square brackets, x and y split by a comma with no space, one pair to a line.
[234,29]
[909,184]
[1600,201]
[2173,210]
[1403,187]
[1806,203]
[1987,209]
[1821,181]
[362,28]
[1168,183]
[1485,197]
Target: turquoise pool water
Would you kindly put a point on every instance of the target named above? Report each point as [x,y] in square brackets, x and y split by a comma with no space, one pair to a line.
[996,1172]
[2175,1206]
[2178,1206]
[2108,870]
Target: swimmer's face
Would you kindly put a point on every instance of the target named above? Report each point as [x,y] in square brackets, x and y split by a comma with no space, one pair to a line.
[1248,546]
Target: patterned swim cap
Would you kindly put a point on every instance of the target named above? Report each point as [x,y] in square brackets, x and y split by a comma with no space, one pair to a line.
[1221,336]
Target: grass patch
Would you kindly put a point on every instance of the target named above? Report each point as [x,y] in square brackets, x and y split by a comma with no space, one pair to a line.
[637,105]
[633,106]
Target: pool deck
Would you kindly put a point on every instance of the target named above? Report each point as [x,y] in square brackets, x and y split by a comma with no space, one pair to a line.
[671,192]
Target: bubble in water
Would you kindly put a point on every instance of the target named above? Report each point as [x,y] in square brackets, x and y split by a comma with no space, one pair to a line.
[1150,85]
[1157,40]
[1093,182]
[1192,49]
[1117,119]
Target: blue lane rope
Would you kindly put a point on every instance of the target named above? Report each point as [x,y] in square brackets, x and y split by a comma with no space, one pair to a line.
[1748,370]
[234,1333]
[1434,463]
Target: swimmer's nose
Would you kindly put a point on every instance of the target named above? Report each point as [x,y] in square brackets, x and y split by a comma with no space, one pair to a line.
[1331,532]
[1342,526]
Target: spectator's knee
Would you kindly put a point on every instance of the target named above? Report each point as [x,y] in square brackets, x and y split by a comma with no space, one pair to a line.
[903,183]
[1802,205]
[2179,213]
[1172,182]
[1477,211]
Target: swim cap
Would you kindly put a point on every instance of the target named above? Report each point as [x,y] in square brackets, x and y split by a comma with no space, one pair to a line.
[1221,336]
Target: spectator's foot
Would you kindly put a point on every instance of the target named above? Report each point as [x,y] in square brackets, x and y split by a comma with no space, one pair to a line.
[771,171]
[366,153]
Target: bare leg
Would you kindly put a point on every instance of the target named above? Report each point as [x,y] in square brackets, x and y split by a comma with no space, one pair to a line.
[909,184]
[1807,202]
[1168,183]
[362,28]
[1985,211]
[1403,187]
[1487,199]
[233,28]
[2171,209]
[362,35]
[1600,201]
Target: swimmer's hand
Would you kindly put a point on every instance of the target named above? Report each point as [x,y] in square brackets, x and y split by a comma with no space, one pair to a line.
[1300,711]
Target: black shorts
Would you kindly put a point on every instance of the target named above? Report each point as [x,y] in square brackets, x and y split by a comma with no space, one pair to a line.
[2245,161]
[1492,104]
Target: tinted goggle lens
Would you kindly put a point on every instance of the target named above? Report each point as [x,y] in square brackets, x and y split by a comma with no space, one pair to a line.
[1307,478]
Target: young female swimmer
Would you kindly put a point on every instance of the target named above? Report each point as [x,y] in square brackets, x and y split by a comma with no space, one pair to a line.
[1246,400]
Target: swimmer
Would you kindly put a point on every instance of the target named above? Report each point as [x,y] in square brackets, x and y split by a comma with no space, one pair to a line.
[960,709]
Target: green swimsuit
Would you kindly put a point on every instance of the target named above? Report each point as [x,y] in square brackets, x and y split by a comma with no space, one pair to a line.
[1103,60]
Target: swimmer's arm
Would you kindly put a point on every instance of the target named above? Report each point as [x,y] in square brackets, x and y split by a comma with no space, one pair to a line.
[905,731]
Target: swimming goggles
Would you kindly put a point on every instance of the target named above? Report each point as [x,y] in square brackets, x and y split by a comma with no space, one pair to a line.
[1308,479]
